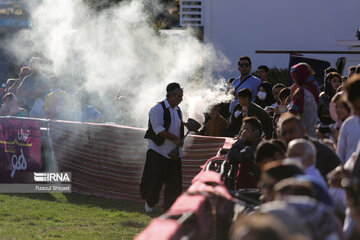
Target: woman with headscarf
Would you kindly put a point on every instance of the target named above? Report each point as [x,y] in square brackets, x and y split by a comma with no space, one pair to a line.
[332,83]
[10,107]
[306,96]
[265,96]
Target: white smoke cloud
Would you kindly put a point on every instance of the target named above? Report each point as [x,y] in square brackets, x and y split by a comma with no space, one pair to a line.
[119,48]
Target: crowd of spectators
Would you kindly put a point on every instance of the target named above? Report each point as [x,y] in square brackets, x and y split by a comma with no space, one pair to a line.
[34,94]
[299,145]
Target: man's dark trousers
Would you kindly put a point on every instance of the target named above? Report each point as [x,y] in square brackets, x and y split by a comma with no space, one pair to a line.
[157,171]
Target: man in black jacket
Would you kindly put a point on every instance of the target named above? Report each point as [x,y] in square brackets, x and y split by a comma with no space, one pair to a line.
[290,127]
[246,108]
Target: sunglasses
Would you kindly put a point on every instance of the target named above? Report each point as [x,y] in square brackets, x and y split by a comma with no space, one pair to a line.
[244,65]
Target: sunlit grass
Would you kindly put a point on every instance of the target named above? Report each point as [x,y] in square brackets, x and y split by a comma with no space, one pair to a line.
[69,216]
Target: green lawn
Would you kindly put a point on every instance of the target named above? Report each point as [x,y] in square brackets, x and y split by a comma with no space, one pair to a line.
[70,216]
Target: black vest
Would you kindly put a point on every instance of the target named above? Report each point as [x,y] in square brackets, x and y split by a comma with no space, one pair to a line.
[157,139]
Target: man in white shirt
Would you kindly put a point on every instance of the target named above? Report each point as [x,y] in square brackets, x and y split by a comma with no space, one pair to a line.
[165,133]
[349,134]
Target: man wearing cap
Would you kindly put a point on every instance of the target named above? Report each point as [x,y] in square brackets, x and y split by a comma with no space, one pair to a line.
[165,133]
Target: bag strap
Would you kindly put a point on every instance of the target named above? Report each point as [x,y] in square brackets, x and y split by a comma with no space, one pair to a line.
[242,81]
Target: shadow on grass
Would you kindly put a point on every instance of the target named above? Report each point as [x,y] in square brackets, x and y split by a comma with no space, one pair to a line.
[91,201]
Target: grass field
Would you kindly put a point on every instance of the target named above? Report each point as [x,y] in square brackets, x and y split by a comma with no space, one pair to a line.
[70,216]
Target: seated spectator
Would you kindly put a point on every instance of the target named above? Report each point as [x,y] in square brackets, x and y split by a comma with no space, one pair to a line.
[351,71]
[242,151]
[332,83]
[258,226]
[34,87]
[305,152]
[349,134]
[9,83]
[305,215]
[264,96]
[24,71]
[10,107]
[291,127]
[306,96]
[217,124]
[246,108]
[57,104]
[85,113]
[342,111]
[276,90]
[268,151]
[302,186]
[272,173]
[282,107]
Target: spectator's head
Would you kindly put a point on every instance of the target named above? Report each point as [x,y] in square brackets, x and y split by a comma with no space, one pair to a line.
[245,96]
[35,64]
[174,94]
[24,71]
[263,72]
[352,91]
[54,82]
[265,92]
[214,110]
[276,90]
[251,130]
[244,65]
[332,83]
[302,74]
[302,150]
[290,127]
[7,100]
[284,94]
[258,226]
[268,151]
[272,173]
[293,187]
[351,71]
[329,70]
[10,82]
[342,108]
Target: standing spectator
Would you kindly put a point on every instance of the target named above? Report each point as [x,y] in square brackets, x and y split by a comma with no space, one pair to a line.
[264,96]
[217,124]
[350,130]
[84,112]
[10,107]
[165,132]
[34,86]
[332,83]
[246,80]
[263,73]
[306,96]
